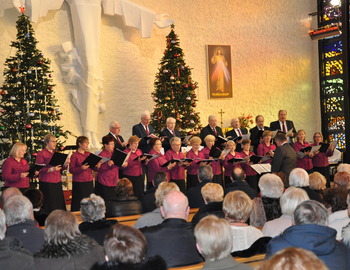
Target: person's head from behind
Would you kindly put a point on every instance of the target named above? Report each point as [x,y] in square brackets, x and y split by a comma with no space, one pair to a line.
[293,258]
[237,206]
[125,245]
[159,177]
[343,167]
[212,192]
[280,139]
[298,177]
[271,186]
[310,212]
[8,193]
[335,199]
[283,177]
[214,238]
[238,174]
[36,197]
[92,208]
[342,179]
[175,205]
[18,209]
[205,173]
[124,187]
[291,198]
[317,181]
[61,227]
[2,225]
[163,189]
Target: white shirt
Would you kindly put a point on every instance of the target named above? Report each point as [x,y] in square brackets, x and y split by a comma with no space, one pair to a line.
[277,226]
[244,237]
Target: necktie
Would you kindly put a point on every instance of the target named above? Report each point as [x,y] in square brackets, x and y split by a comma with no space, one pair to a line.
[119,141]
[173,131]
[239,132]
[284,127]
[214,130]
[147,131]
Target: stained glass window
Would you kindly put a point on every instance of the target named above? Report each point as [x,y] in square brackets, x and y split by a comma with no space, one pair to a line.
[332,49]
[339,138]
[336,122]
[332,86]
[334,104]
[334,67]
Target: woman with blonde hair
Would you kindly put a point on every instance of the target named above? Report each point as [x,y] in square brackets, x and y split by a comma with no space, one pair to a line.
[15,168]
[231,153]
[196,155]
[317,182]
[303,161]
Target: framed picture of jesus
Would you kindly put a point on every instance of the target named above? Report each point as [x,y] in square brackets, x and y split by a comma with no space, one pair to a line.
[219,71]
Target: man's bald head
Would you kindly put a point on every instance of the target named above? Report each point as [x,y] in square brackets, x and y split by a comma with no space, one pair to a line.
[8,193]
[175,205]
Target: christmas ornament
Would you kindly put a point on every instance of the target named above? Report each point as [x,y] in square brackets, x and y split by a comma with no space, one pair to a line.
[193,86]
[176,55]
[186,85]
[31,114]
[188,98]
[3,111]
[14,69]
[17,113]
[44,112]
[40,62]
[29,71]
[19,83]
[45,123]
[2,92]
[178,82]
[173,41]
[165,71]
[155,98]
[2,128]
[167,98]
[194,105]
[12,98]
[172,77]
[192,122]
[27,35]
[28,126]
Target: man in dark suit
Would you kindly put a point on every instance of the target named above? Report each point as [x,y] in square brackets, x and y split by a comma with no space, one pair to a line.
[169,132]
[194,195]
[142,130]
[211,128]
[284,125]
[173,239]
[285,158]
[114,130]
[257,131]
[238,183]
[237,131]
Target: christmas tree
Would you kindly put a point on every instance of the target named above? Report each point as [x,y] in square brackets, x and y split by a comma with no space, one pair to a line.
[28,105]
[174,91]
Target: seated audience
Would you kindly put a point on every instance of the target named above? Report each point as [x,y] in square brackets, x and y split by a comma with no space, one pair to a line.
[94,225]
[283,178]
[335,201]
[20,223]
[65,247]
[205,175]
[312,233]
[293,258]
[36,197]
[343,167]
[299,178]
[237,207]
[342,179]
[289,200]
[10,258]
[317,182]
[126,248]
[238,183]
[173,239]
[148,198]
[155,217]
[267,207]
[214,239]
[213,196]
[125,203]
[7,193]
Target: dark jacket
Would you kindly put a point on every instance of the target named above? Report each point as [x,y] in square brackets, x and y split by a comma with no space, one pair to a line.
[154,263]
[242,186]
[140,132]
[194,195]
[284,160]
[97,230]
[31,236]
[232,133]
[167,136]
[255,136]
[313,195]
[148,200]
[174,241]
[123,206]
[14,257]
[212,208]
[316,238]
[79,253]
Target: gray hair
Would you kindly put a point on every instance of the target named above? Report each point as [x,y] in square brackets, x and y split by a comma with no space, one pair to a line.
[60,227]
[211,117]
[145,113]
[205,173]
[92,208]
[291,198]
[18,209]
[2,225]
[310,212]
[174,139]
[298,177]
[271,186]
[113,124]
[170,118]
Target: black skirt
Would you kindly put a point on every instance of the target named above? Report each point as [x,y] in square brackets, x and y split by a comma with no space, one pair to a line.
[106,192]
[80,191]
[53,196]
[192,180]
[138,184]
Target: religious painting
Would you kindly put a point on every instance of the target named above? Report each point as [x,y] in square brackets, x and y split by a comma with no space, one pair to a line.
[219,71]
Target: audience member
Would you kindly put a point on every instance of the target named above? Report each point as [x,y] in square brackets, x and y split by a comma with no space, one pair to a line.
[239,183]
[65,247]
[267,207]
[215,241]
[20,223]
[237,208]
[293,258]
[346,231]
[155,217]
[94,225]
[299,178]
[335,201]
[148,198]
[283,177]
[343,167]
[125,203]
[173,239]
[342,179]
[311,233]
[7,193]
[126,248]
[194,195]
[213,196]
[289,200]
[36,197]
[317,182]
[9,258]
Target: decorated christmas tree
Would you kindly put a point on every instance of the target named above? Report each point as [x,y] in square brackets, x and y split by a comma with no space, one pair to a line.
[174,92]
[28,109]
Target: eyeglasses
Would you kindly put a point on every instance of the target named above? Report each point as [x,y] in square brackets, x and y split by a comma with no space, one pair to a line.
[53,141]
